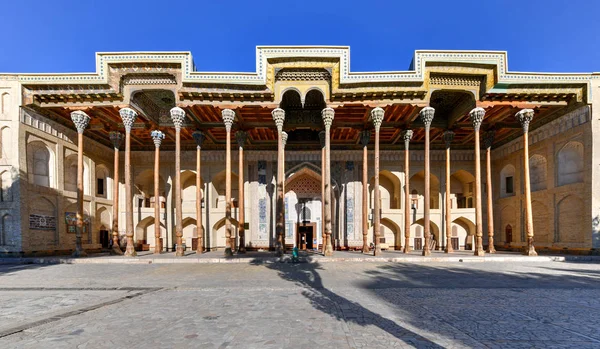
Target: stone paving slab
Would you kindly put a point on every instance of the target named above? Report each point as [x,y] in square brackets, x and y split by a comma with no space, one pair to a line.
[305,305]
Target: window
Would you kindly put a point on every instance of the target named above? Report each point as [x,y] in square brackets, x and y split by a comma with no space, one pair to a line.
[509,185]
[100,186]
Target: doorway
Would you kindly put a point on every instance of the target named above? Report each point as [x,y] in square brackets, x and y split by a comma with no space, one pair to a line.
[508,234]
[305,237]
[104,238]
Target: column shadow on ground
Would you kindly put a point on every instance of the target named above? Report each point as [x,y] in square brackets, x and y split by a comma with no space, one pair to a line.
[306,275]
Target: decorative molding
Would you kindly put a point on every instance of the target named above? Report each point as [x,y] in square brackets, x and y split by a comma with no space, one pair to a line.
[562,124]
[340,53]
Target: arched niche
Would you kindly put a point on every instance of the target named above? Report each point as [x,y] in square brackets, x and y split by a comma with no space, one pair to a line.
[542,227]
[571,227]
[570,163]
[389,188]
[143,189]
[144,231]
[461,189]
[417,185]
[41,164]
[104,183]
[391,232]
[188,188]
[70,174]
[538,172]
[218,232]
[507,181]
[218,190]
[5,142]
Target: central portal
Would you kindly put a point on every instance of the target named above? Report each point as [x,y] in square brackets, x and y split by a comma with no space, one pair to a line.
[305,239]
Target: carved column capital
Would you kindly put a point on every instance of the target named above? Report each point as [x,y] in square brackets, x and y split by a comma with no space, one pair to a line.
[178,116]
[322,138]
[426,114]
[81,120]
[284,138]
[407,136]
[377,118]
[365,137]
[279,118]
[525,116]
[241,137]
[157,137]
[116,138]
[327,114]
[228,116]
[128,116]
[199,138]
[488,139]
[448,137]
[477,116]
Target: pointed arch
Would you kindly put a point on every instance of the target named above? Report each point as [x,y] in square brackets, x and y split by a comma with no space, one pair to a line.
[5,142]
[461,189]
[389,188]
[41,164]
[6,231]
[391,232]
[144,230]
[218,189]
[507,180]
[417,182]
[218,232]
[433,229]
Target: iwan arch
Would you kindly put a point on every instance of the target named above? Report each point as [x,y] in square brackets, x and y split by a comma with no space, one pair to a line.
[303,152]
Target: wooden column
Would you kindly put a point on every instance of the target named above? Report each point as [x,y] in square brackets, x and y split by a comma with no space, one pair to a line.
[448,137]
[323,235]
[525,116]
[241,137]
[377,118]
[426,115]
[328,114]
[365,138]
[279,118]
[228,116]
[116,138]
[128,116]
[178,117]
[407,135]
[81,121]
[284,137]
[199,138]
[488,141]
[157,137]
[477,116]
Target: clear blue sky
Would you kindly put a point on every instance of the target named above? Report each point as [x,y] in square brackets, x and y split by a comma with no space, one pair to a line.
[62,36]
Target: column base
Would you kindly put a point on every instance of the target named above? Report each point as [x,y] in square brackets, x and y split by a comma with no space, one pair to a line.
[116,251]
[377,251]
[228,252]
[479,252]
[179,250]
[365,249]
[79,253]
[242,250]
[448,250]
[130,252]
[491,250]
[530,249]
[426,252]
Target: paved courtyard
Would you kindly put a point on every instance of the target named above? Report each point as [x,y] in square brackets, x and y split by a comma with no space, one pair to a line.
[304,305]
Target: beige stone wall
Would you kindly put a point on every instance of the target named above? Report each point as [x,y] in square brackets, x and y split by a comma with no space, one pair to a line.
[10,99]
[54,199]
[595,162]
[560,160]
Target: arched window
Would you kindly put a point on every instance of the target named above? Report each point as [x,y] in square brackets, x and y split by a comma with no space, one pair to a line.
[507,179]
[40,164]
[570,163]
[5,103]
